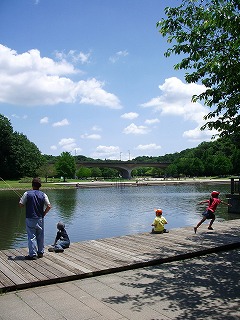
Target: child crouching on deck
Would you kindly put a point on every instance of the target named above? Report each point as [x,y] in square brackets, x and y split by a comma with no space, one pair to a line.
[62,237]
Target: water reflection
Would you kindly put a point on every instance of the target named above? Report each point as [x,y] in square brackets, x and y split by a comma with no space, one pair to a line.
[95,213]
[64,202]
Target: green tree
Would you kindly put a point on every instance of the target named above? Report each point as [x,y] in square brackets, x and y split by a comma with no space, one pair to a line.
[222,165]
[84,172]
[183,166]
[209,168]
[196,167]
[172,170]
[25,157]
[157,172]
[109,172]
[96,172]
[207,33]
[65,165]
[6,132]
[19,157]
[46,170]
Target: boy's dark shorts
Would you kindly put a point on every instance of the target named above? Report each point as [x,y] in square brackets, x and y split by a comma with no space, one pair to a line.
[209,214]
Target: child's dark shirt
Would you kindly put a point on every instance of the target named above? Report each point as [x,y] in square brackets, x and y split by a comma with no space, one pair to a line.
[62,235]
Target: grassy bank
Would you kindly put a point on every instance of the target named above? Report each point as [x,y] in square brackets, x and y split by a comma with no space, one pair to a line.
[71,183]
[16,185]
[51,184]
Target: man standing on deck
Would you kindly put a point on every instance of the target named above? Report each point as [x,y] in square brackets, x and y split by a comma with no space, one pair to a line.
[37,206]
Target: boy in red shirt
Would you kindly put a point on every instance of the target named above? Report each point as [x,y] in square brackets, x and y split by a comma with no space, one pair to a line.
[213,202]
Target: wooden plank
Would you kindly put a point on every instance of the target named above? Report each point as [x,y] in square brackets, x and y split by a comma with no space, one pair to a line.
[5,281]
[115,250]
[79,268]
[114,255]
[18,264]
[51,269]
[15,274]
[55,258]
[89,259]
[92,257]
[7,272]
[130,244]
[33,267]
[102,252]
[137,253]
[98,255]
[63,269]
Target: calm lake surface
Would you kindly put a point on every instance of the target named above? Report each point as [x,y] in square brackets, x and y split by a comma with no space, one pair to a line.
[94,213]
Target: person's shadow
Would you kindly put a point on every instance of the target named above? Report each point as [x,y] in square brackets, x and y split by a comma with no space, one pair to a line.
[16,258]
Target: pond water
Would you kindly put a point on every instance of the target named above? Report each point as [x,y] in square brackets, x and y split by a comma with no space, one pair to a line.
[94,213]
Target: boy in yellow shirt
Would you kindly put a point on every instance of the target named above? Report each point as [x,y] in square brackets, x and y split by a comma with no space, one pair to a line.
[159,222]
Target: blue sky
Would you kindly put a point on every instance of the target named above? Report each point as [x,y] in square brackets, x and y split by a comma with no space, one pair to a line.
[90,77]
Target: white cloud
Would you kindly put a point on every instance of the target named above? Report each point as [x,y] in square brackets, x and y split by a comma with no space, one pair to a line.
[65,141]
[62,123]
[134,129]
[68,144]
[19,117]
[44,120]
[91,136]
[151,146]
[197,134]
[108,152]
[176,100]
[152,121]
[29,79]
[107,149]
[53,147]
[118,55]
[123,53]
[73,56]
[91,92]
[130,115]
[15,116]
[96,128]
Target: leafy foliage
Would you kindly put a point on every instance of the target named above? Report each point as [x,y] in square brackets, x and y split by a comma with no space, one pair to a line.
[65,165]
[6,132]
[25,158]
[83,172]
[19,157]
[207,33]
[215,158]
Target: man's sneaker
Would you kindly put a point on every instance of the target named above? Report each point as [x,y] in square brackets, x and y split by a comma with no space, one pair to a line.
[30,257]
[40,255]
[210,228]
[51,249]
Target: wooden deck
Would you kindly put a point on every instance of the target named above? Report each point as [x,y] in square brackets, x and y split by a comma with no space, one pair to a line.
[96,257]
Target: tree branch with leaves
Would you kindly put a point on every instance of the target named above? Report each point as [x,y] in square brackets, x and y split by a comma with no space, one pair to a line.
[207,34]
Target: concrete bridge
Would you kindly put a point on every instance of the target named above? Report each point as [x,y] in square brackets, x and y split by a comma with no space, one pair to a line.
[125,167]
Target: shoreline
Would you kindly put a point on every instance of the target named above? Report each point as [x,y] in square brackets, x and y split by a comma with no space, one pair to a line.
[141,182]
[119,184]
